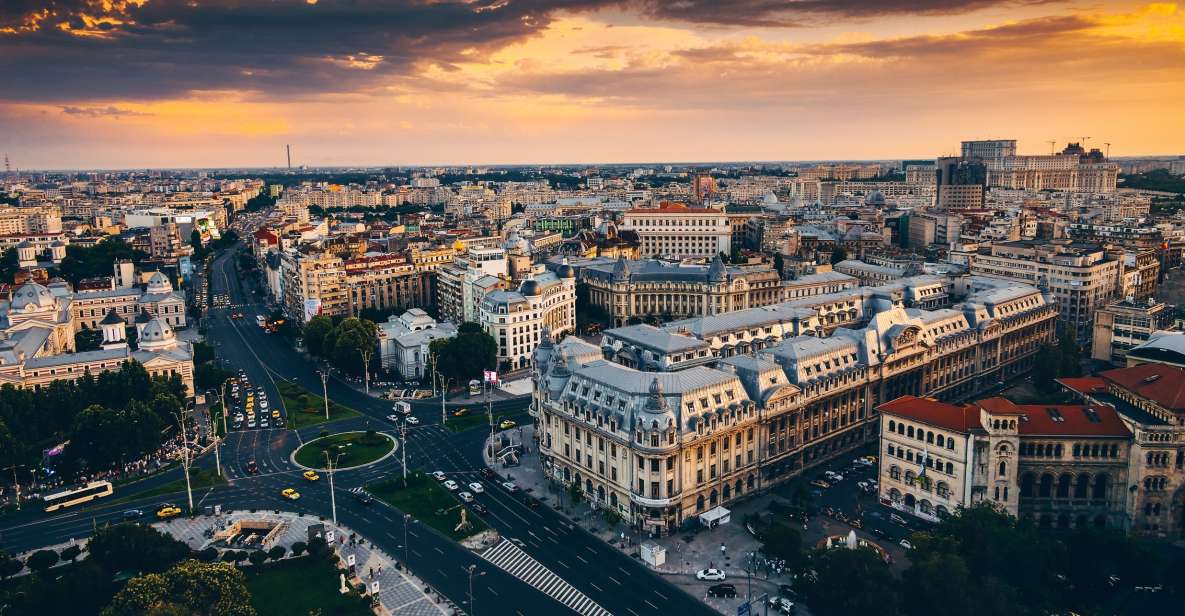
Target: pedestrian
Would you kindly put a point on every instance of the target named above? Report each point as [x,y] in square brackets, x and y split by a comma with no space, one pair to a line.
[380,570]
[371,572]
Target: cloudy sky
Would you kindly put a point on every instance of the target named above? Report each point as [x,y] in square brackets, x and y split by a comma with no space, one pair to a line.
[139,83]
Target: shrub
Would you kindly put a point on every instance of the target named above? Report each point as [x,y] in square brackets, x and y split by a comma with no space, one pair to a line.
[277,552]
[298,548]
[42,560]
[257,557]
[71,553]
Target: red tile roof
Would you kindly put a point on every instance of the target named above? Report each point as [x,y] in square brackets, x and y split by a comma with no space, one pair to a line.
[1071,420]
[1160,383]
[1085,384]
[669,207]
[958,418]
[999,406]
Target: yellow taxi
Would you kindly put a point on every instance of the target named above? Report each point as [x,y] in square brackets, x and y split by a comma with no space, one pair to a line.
[168,511]
[311,475]
[275,414]
[507,424]
[290,494]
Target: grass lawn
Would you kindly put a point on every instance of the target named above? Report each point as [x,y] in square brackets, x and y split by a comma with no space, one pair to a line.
[356,448]
[477,418]
[199,478]
[307,409]
[298,586]
[428,502]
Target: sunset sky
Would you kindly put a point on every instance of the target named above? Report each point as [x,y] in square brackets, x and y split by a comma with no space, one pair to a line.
[166,83]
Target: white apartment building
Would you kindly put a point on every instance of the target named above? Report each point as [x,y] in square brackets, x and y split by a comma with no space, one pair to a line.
[518,319]
[678,231]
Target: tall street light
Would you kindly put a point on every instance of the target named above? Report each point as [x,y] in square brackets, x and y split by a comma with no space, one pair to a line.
[365,353]
[472,572]
[332,496]
[185,457]
[325,390]
[406,522]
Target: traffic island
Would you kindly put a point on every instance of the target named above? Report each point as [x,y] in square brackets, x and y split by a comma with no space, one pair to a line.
[308,409]
[346,450]
[430,504]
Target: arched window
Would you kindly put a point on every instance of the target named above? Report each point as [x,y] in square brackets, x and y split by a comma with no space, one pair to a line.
[1003,470]
[929,437]
[1063,486]
[1081,487]
[699,503]
[713,497]
[749,482]
[727,491]
[950,468]
[1046,486]
[941,440]
[1100,487]
[1026,485]
[739,487]
[909,431]
[892,426]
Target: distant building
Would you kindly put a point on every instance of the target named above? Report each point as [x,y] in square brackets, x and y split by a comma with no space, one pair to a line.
[404,342]
[677,231]
[1125,324]
[543,306]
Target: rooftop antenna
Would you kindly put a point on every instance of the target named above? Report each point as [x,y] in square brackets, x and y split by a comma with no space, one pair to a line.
[1083,144]
[288,149]
[1052,145]
[1108,149]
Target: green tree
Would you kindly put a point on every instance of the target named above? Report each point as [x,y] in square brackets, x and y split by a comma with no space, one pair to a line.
[299,548]
[277,552]
[838,254]
[41,560]
[9,566]
[779,264]
[135,547]
[257,557]
[347,342]
[88,339]
[71,553]
[780,540]
[91,261]
[850,583]
[315,332]
[466,355]
[210,376]
[9,265]
[191,588]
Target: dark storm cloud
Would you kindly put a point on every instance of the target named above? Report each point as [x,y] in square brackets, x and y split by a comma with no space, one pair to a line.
[67,50]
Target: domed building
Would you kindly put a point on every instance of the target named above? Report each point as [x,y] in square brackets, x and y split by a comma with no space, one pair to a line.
[544,306]
[128,299]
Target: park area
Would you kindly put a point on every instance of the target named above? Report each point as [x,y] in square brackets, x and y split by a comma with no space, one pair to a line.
[300,586]
[429,503]
[349,449]
[308,409]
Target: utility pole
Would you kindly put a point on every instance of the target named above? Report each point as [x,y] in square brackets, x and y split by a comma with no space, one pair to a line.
[403,446]
[332,496]
[1052,146]
[406,521]
[472,607]
[325,391]
[16,486]
[1108,149]
[366,368]
[185,457]
[443,392]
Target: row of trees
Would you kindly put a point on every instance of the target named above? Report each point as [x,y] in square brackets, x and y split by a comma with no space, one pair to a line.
[978,562]
[465,356]
[115,414]
[346,343]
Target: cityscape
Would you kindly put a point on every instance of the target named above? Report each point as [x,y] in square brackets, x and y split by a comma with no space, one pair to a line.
[624,308]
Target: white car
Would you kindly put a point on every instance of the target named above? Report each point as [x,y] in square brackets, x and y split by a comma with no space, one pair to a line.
[451,485]
[393,418]
[711,575]
[477,487]
[833,476]
[413,421]
[510,486]
[905,544]
[466,497]
[437,475]
[263,403]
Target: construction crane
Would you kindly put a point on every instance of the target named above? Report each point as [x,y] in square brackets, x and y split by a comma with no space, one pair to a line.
[1083,142]
[1108,149]
[1052,144]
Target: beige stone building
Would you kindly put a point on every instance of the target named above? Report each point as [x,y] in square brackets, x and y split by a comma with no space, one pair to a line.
[677,231]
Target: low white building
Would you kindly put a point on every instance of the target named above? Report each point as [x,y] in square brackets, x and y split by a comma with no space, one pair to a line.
[404,341]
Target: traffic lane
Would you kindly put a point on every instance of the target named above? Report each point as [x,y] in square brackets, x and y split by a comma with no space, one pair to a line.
[564,548]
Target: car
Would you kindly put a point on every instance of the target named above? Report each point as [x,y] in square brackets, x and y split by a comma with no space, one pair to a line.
[880,533]
[251,423]
[532,503]
[362,496]
[133,514]
[819,483]
[461,412]
[165,512]
[238,417]
[712,575]
[393,418]
[863,485]
[507,424]
[856,523]
[466,497]
[834,476]
[311,475]
[905,544]
[782,604]
[476,487]
[263,403]
[252,467]
[290,494]
[896,519]
[487,473]
[510,486]
[275,413]
[413,421]
[722,590]
[479,508]
[451,485]
[437,475]
[237,425]
[263,422]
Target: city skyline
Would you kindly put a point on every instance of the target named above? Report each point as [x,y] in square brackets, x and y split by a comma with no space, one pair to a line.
[119,85]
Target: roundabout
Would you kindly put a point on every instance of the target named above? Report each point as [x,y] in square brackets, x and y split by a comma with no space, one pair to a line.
[347,450]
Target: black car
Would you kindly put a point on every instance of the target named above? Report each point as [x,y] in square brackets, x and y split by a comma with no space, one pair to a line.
[880,533]
[722,590]
[532,503]
[479,508]
[133,514]
[487,473]
[362,496]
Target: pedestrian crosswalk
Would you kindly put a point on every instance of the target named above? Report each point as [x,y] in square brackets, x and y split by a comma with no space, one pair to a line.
[510,558]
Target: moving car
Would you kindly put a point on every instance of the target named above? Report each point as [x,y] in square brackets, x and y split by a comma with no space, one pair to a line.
[290,494]
[311,475]
[263,422]
[722,590]
[167,511]
[133,514]
[510,486]
[905,544]
[362,496]
[476,487]
[487,473]
[466,497]
[478,508]
[437,475]
[712,575]
[461,412]
[819,483]
[507,424]
[252,467]
[451,485]
[413,421]
[393,418]
[782,604]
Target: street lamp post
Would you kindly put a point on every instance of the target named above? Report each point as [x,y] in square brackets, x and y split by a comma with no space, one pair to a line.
[443,394]
[406,521]
[403,446]
[325,391]
[472,572]
[15,485]
[365,368]
[332,495]
[185,457]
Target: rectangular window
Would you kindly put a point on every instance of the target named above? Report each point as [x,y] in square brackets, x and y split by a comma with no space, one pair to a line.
[699,476]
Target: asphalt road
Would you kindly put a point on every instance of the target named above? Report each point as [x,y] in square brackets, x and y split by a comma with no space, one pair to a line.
[613,580]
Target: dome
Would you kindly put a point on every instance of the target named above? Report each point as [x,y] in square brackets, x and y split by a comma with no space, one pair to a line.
[159,283]
[566,271]
[32,296]
[531,287]
[156,334]
[717,272]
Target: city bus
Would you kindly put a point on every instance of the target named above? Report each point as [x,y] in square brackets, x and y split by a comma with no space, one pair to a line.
[77,496]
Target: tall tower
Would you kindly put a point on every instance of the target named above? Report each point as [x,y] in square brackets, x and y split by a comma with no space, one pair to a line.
[288,149]
[7,165]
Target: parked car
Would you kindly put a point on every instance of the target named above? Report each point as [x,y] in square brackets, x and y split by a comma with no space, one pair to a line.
[510,486]
[437,475]
[451,485]
[712,575]
[476,487]
[819,483]
[466,497]
[722,590]
[905,544]
[782,604]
